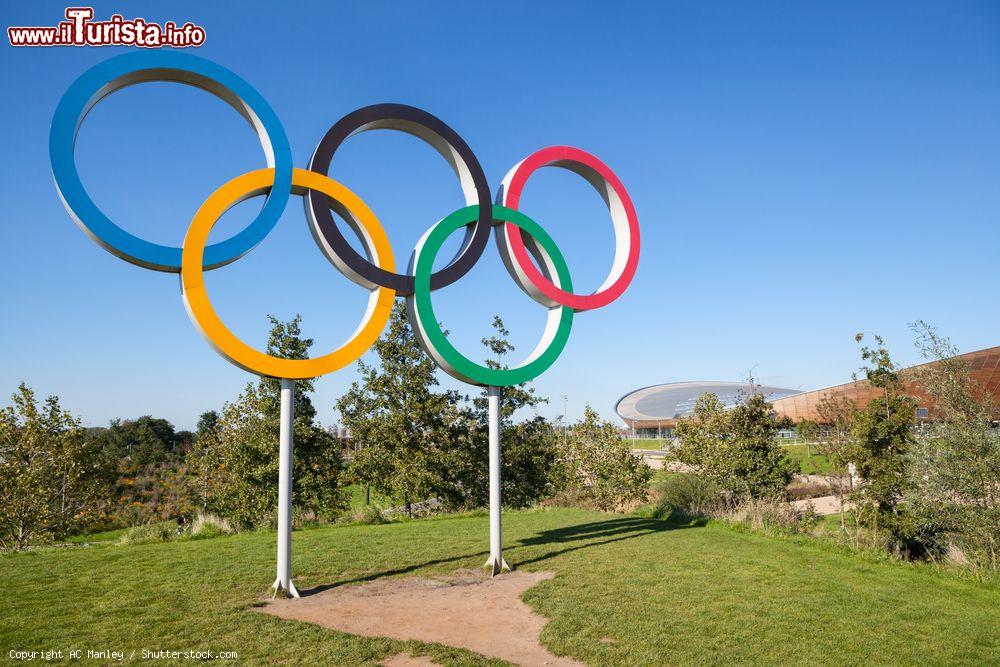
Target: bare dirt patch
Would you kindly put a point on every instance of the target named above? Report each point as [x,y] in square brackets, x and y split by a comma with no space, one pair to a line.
[466,610]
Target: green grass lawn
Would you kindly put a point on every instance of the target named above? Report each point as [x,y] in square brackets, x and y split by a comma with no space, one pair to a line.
[647,443]
[628,590]
[814,464]
[357,494]
[102,536]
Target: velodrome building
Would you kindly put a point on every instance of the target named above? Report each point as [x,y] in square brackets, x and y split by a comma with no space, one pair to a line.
[652,412]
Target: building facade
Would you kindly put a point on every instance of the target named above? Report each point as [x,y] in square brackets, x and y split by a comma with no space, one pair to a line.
[653,411]
[984,366]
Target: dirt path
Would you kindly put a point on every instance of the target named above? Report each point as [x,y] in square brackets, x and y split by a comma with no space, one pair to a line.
[467,610]
[823,506]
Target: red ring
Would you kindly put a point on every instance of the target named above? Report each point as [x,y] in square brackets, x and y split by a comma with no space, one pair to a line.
[580,162]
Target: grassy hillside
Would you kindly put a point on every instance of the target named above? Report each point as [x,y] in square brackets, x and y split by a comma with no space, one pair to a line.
[629,590]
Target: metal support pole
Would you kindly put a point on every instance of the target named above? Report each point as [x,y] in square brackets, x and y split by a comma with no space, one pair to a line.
[285,442]
[495,562]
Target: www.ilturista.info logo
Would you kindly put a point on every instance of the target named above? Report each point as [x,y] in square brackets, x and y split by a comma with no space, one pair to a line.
[79,29]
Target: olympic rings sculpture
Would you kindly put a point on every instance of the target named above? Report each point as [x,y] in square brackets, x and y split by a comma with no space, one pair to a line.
[520,239]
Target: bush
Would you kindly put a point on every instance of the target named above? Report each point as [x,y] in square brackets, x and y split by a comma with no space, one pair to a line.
[571,496]
[210,525]
[690,496]
[148,533]
[368,515]
[954,464]
[803,490]
[599,467]
[736,447]
[53,480]
[769,516]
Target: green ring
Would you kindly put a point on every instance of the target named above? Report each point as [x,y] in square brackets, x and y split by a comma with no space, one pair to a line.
[426,326]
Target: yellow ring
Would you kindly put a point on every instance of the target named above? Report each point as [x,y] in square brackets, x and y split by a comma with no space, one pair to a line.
[218,334]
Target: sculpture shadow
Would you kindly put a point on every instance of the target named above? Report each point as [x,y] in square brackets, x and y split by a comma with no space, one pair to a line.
[598,533]
[306,592]
[566,540]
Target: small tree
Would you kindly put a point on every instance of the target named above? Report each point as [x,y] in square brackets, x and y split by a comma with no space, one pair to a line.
[402,428]
[53,480]
[512,398]
[808,432]
[529,450]
[601,466]
[737,449]
[881,433]
[836,412]
[235,464]
[955,462]
[205,463]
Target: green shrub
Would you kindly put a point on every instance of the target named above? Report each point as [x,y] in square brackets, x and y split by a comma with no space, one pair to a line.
[771,516]
[688,495]
[809,519]
[210,525]
[599,467]
[736,447]
[571,496]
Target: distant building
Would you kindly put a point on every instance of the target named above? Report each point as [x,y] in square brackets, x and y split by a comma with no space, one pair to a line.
[653,411]
[983,364]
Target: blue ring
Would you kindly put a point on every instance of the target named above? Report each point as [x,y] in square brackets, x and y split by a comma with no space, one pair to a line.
[120,71]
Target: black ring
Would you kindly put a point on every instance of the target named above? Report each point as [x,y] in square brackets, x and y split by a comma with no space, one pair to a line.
[445,141]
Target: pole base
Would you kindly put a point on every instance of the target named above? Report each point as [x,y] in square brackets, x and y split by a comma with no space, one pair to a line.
[497,564]
[292,593]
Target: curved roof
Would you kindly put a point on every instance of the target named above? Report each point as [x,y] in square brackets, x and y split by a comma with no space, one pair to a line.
[983,367]
[663,402]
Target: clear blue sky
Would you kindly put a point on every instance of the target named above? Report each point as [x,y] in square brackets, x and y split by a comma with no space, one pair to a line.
[802,171]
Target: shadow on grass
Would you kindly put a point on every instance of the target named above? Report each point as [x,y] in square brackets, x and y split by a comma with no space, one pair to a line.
[598,533]
[388,573]
[568,538]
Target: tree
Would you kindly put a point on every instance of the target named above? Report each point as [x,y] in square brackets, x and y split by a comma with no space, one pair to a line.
[147,453]
[598,464]
[955,462]
[235,464]
[401,426]
[512,398]
[285,341]
[413,442]
[207,422]
[808,432]
[140,442]
[205,462]
[836,412]
[529,449]
[53,479]
[736,449]
[881,433]
[530,461]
